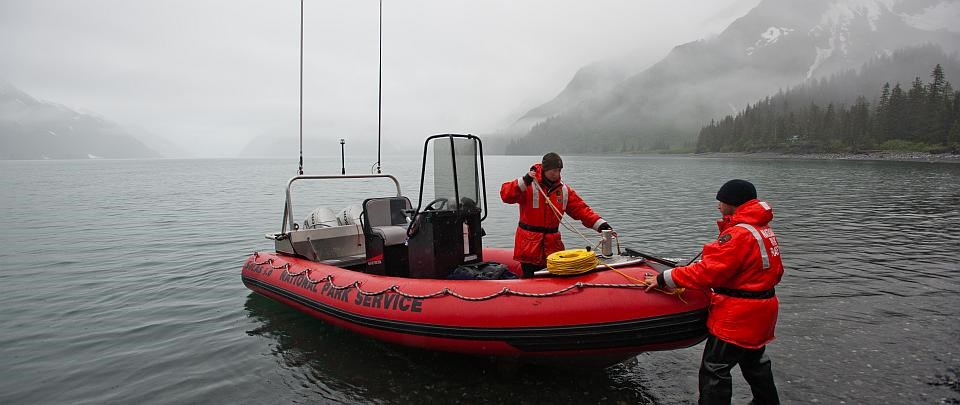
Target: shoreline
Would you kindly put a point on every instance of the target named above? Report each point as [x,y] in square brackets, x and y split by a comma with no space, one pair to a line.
[891,156]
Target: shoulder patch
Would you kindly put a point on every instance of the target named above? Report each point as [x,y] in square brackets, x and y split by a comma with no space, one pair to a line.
[724,238]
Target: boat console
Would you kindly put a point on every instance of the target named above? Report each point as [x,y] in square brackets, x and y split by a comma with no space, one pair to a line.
[446,232]
[441,240]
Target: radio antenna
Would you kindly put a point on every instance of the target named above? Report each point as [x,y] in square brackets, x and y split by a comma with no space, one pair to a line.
[301,88]
[379,87]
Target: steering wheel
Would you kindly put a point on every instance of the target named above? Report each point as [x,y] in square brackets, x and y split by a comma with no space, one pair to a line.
[441,204]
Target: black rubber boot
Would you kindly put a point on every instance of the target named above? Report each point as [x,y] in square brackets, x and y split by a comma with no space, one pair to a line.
[719,357]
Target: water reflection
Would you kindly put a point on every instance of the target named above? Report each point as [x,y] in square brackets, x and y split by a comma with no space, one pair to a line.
[324,361]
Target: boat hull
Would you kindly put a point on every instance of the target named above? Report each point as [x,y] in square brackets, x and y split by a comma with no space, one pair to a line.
[601,317]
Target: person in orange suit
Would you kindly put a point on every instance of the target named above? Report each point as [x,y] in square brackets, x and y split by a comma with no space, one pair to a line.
[740,269]
[538,233]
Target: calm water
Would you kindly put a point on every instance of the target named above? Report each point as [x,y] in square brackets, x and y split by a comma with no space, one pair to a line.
[120,283]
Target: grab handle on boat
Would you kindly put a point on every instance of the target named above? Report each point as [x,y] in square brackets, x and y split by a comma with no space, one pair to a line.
[651,258]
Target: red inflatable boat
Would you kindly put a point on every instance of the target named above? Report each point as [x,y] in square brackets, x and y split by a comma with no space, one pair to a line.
[384,273]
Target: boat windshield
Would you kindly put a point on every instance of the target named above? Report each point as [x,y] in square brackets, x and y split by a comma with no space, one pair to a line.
[455,171]
[453,165]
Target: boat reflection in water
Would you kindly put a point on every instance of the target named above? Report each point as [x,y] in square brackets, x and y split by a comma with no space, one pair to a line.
[325,362]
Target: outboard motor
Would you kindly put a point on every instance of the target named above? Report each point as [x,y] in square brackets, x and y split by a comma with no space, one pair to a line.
[350,215]
[322,217]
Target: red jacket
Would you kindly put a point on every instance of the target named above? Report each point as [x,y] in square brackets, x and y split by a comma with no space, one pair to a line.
[734,262]
[538,234]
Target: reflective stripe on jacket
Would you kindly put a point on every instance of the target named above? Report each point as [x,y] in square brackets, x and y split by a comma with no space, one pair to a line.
[745,257]
[534,246]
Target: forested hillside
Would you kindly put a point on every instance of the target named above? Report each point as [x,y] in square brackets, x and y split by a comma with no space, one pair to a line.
[921,115]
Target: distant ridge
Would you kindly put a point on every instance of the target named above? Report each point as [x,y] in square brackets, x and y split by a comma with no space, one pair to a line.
[34,129]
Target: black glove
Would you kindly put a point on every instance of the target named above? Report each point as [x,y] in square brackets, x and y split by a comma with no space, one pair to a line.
[527,179]
[605,226]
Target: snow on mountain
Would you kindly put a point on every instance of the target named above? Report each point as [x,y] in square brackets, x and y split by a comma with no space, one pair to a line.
[835,25]
[769,37]
[839,14]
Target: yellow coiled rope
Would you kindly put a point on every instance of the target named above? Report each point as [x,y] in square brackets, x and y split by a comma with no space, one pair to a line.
[577,261]
[572,261]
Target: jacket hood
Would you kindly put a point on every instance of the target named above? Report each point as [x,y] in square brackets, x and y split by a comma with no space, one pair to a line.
[540,179]
[753,212]
[539,169]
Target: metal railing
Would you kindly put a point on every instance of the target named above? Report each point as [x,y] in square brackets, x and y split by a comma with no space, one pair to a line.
[288,221]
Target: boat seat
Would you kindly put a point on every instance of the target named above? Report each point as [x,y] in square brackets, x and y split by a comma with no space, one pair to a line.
[391,234]
[385,217]
[385,232]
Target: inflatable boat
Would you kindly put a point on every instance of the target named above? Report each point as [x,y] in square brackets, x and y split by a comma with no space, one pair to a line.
[383,269]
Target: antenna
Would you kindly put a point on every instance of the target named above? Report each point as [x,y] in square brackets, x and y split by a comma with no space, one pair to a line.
[379,86]
[301,87]
[343,169]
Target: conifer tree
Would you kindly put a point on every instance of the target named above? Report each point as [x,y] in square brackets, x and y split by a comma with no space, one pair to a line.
[933,108]
[881,129]
[859,123]
[946,113]
[916,118]
[827,125]
[936,86]
[898,112]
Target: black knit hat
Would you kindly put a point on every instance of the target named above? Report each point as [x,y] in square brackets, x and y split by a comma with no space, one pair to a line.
[736,192]
[552,161]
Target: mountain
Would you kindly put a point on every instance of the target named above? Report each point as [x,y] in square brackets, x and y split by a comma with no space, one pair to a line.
[34,129]
[779,43]
[589,82]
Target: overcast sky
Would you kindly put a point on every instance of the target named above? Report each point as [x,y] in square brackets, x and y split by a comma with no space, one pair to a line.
[212,75]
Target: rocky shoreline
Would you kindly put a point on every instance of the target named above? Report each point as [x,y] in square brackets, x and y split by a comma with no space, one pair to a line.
[897,156]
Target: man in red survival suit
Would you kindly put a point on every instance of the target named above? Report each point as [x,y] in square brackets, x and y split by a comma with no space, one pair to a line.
[538,232]
[741,267]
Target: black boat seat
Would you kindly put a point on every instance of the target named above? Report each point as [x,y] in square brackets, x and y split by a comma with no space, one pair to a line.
[385,233]
[391,234]
[386,219]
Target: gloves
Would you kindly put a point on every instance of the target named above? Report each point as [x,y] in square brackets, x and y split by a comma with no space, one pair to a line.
[527,178]
[605,226]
